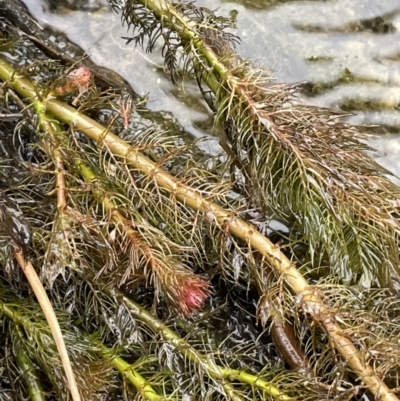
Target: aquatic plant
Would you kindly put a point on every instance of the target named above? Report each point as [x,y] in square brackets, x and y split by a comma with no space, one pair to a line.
[299,163]
[145,245]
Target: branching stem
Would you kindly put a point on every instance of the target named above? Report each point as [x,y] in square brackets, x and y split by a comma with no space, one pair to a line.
[132,375]
[311,301]
[215,371]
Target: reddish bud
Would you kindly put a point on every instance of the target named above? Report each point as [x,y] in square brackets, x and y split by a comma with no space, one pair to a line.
[81,77]
[78,80]
[193,292]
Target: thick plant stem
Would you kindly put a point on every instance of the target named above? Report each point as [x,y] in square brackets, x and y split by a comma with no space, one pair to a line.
[136,379]
[51,318]
[311,301]
[149,393]
[30,377]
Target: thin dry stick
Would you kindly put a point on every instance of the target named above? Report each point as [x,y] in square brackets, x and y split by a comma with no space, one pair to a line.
[51,318]
[310,299]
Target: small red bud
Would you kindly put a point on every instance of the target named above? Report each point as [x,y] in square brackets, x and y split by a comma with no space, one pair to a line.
[194,291]
[81,77]
[78,80]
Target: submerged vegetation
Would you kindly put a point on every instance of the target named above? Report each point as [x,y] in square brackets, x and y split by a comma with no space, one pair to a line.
[164,277]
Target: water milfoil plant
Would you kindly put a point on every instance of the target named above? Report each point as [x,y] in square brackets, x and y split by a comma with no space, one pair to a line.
[144,245]
[301,164]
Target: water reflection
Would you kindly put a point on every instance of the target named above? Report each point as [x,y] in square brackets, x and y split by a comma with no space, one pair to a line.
[262,4]
[380,24]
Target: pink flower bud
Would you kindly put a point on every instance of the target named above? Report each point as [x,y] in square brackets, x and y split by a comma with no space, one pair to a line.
[78,80]
[81,77]
[193,292]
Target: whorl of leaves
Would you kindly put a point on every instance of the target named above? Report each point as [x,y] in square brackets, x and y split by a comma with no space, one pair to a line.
[178,49]
[301,163]
[311,170]
[29,331]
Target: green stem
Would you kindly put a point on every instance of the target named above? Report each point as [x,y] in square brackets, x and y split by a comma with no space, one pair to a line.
[33,383]
[133,376]
[215,371]
[190,197]
[30,377]
[166,12]
[310,297]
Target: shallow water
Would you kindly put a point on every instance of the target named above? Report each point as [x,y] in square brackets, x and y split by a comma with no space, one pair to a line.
[348,51]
